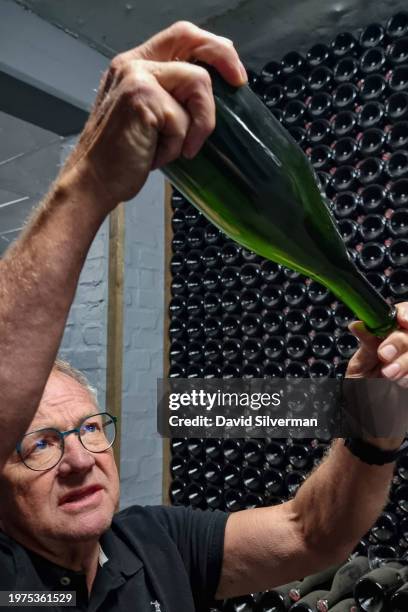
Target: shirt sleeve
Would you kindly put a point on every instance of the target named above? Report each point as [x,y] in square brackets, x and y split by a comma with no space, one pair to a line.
[199,536]
[8,570]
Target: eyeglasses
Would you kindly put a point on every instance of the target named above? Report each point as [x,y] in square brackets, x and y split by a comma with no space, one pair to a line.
[43,449]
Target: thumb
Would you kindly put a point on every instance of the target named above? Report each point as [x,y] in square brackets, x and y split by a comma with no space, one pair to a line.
[367,340]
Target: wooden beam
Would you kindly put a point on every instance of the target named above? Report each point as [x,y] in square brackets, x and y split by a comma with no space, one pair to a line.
[168,235]
[115,320]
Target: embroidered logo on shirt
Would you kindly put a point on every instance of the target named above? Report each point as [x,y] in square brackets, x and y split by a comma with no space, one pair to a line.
[156,606]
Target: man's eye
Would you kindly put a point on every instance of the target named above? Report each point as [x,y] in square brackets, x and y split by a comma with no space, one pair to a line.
[40,444]
[90,427]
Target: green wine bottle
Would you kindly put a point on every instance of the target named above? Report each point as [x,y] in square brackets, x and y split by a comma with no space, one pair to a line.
[255,184]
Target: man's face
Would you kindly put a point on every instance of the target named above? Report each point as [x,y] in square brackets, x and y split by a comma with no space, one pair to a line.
[76,499]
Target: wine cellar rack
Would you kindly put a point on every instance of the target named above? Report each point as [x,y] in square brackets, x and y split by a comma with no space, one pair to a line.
[234,314]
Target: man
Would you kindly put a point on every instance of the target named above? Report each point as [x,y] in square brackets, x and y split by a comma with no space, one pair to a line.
[59,489]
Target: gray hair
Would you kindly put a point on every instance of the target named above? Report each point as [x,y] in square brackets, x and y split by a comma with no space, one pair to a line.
[66,368]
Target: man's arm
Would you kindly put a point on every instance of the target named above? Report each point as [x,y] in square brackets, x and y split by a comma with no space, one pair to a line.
[149,111]
[331,511]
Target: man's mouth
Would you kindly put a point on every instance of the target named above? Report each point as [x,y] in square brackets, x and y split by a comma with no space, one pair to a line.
[80,495]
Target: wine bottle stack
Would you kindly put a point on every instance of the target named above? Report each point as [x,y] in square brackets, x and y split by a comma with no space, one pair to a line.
[236,315]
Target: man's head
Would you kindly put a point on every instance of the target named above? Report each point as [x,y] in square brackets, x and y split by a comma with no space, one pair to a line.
[75,500]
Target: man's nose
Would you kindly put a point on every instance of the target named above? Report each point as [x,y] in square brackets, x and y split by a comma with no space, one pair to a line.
[76,458]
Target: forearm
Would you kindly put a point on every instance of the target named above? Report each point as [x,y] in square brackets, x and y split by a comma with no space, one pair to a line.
[38,279]
[341,500]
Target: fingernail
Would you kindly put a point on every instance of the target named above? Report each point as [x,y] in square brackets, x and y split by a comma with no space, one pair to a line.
[391,370]
[388,352]
[243,72]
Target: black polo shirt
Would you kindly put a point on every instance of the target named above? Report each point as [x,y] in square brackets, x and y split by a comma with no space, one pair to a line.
[155,559]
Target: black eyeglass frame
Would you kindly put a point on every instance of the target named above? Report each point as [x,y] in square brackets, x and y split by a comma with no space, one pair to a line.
[62,435]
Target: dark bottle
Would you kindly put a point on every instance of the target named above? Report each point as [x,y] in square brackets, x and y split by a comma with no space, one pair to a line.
[319,106]
[378,281]
[212,235]
[398,79]
[213,449]
[315,581]
[177,352]
[372,142]
[319,132]
[275,453]
[194,283]
[345,124]
[373,61]
[344,44]
[232,450]
[233,500]
[179,242]
[211,257]
[398,136]
[178,201]
[232,475]
[212,351]
[274,348]
[344,582]
[346,205]
[250,370]
[294,113]
[177,371]
[253,451]
[398,52]
[214,497]
[372,114]
[298,456]
[398,253]
[348,231]
[397,224]
[345,178]
[398,284]
[195,328]
[296,321]
[251,324]
[373,228]
[211,281]
[272,296]
[297,347]
[374,589]
[271,272]
[372,35]
[251,349]
[345,97]
[230,277]
[252,479]
[244,603]
[370,170]
[308,603]
[272,322]
[195,495]
[193,260]
[277,599]
[177,466]
[321,157]
[195,238]
[319,54]
[250,275]
[397,165]
[274,96]
[178,222]
[295,369]
[194,470]
[178,446]
[346,605]
[373,199]
[231,350]
[320,318]
[212,472]
[212,327]
[320,369]
[194,371]
[346,70]
[230,326]
[273,481]
[230,371]
[293,481]
[251,300]
[230,302]
[292,63]
[322,345]
[212,304]
[345,151]
[372,256]
[318,294]
[295,295]
[177,329]
[231,254]
[373,87]
[398,193]
[321,78]
[272,369]
[240,114]
[296,87]
[177,264]
[271,73]
[385,529]
[346,345]
[194,353]
[211,371]
[177,492]
[397,25]
[299,134]
[397,106]
[399,600]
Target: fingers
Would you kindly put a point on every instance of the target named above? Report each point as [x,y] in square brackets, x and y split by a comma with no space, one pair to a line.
[185,41]
[190,86]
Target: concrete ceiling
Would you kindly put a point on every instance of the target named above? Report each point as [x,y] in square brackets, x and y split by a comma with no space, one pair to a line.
[261,29]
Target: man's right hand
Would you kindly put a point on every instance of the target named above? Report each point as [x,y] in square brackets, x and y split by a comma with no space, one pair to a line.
[152,106]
